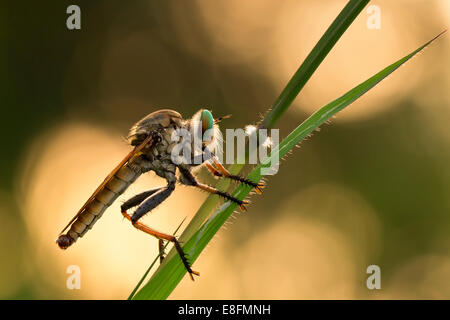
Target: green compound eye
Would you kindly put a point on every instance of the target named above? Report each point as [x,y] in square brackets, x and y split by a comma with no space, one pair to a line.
[207,120]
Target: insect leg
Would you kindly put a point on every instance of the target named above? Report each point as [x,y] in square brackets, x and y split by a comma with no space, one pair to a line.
[221,171]
[153,201]
[162,236]
[189,179]
[150,203]
[137,199]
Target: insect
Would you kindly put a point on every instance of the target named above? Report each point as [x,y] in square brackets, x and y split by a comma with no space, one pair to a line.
[152,139]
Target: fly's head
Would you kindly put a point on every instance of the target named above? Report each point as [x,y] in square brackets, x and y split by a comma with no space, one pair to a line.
[206,129]
[170,133]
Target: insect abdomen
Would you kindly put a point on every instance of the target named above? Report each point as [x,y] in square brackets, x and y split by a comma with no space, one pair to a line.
[95,208]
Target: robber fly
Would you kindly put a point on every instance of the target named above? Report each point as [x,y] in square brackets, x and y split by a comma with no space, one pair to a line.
[151,138]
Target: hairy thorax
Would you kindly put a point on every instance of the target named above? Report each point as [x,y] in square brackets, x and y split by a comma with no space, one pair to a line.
[158,158]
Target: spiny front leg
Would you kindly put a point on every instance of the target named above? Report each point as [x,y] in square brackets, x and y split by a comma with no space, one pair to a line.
[223,172]
[241,203]
[188,178]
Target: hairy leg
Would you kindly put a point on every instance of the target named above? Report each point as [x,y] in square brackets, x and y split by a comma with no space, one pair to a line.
[137,199]
[146,206]
[189,179]
[221,171]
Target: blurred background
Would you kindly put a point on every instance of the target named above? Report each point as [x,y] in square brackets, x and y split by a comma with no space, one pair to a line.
[371,188]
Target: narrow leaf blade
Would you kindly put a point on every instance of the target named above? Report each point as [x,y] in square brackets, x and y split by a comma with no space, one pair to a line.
[166,279]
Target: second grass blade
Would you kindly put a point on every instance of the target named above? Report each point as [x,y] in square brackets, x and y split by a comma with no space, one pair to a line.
[167,278]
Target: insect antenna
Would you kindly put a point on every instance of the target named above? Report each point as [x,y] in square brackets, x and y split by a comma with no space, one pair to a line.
[217,120]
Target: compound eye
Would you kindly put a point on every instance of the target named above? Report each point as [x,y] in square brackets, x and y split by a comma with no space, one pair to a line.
[207,120]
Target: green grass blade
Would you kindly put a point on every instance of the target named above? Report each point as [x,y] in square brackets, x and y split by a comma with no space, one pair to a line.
[166,279]
[313,60]
[294,86]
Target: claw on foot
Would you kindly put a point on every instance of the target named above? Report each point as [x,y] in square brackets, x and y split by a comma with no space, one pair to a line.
[244,205]
[192,272]
[259,187]
[256,186]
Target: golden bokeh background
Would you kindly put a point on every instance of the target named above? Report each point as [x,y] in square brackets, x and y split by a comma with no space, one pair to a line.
[371,188]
